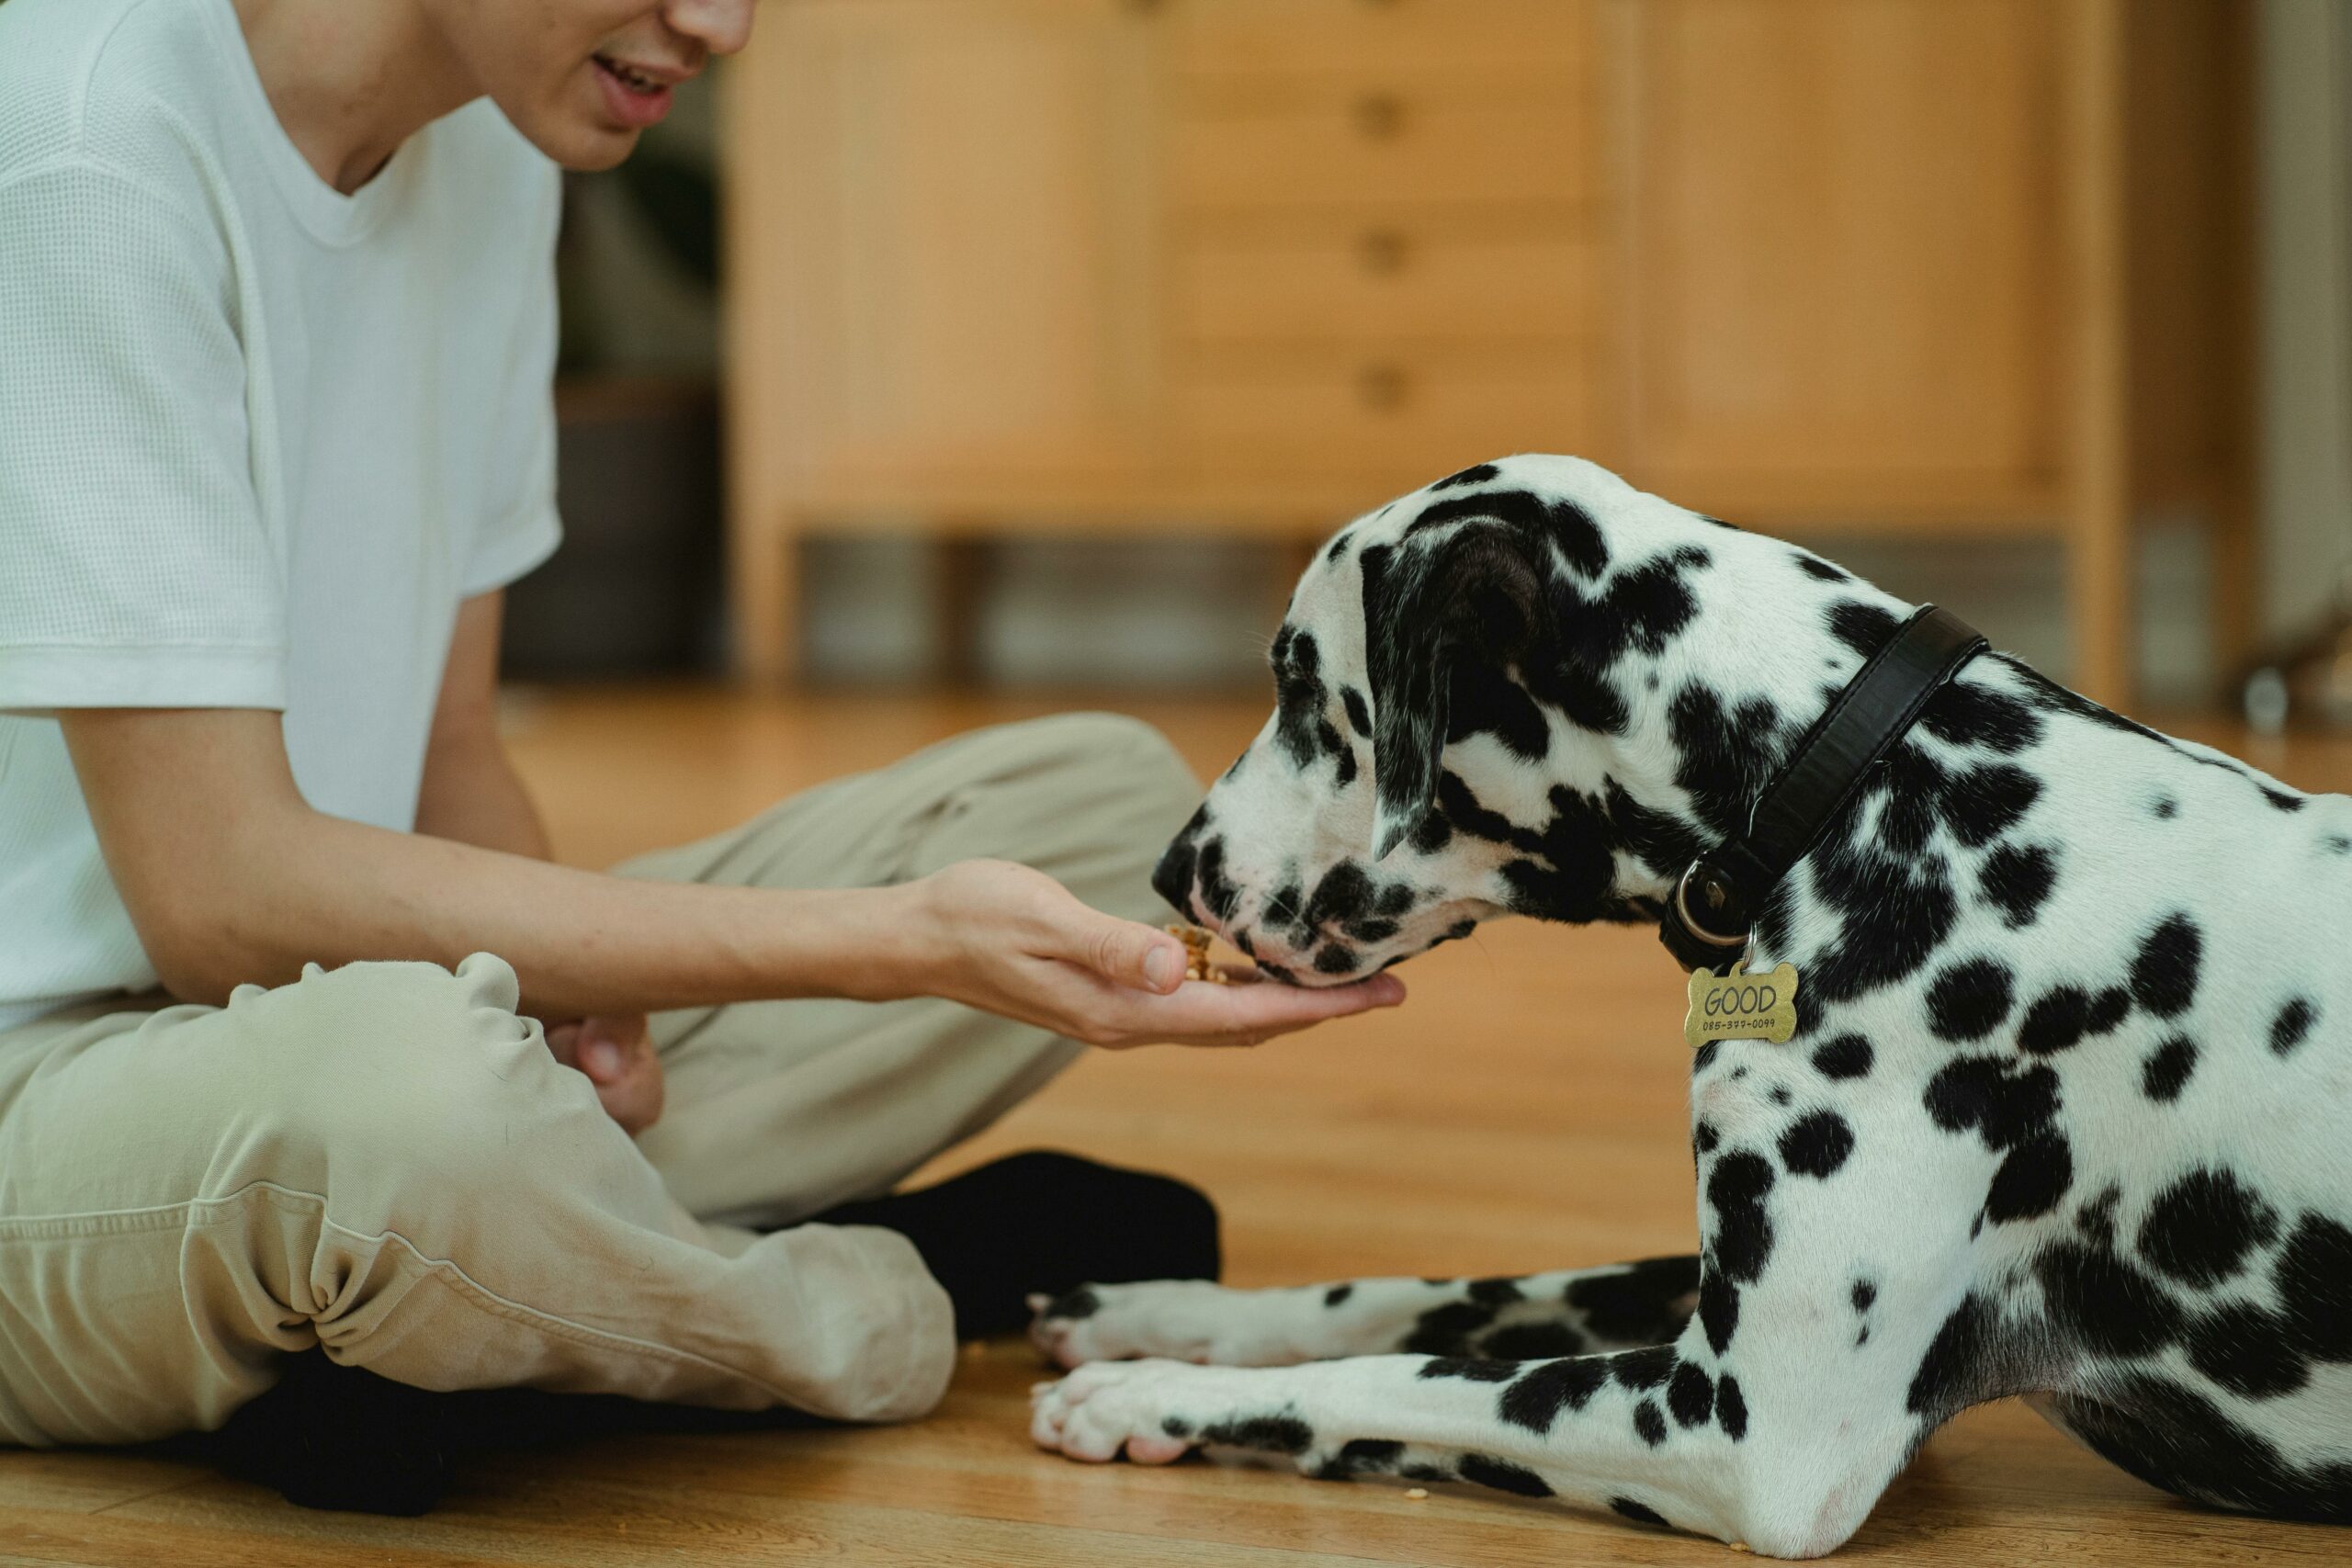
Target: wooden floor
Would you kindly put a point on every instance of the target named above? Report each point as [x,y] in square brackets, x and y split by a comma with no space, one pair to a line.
[1523,1111]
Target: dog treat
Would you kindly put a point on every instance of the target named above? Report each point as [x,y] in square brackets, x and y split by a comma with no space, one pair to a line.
[1197,963]
[1417,1492]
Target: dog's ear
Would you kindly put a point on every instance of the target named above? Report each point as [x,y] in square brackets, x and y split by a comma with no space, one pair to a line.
[1474,594]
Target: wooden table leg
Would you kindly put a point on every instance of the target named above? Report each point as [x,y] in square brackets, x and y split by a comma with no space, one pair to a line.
[763,583]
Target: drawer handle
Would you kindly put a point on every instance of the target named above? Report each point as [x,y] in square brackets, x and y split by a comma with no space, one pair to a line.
[1381,387]
[1382,252]
[1380,116]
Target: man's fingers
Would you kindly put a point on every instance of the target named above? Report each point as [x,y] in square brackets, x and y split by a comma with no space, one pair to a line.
[1125,953]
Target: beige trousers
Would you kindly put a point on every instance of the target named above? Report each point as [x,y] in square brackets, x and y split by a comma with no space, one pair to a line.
[384,1159]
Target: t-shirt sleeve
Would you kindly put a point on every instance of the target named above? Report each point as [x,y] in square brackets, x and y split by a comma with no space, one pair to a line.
[136,569]
[520,526]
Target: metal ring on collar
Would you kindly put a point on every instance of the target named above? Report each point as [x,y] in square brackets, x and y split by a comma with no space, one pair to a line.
[1682,913]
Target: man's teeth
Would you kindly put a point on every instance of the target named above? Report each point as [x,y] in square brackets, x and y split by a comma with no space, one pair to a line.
[635,81]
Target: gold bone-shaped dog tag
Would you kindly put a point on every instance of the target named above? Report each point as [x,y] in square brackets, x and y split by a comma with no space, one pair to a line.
[1740,1006]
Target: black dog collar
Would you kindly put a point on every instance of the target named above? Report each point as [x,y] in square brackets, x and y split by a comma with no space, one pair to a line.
[1713,909]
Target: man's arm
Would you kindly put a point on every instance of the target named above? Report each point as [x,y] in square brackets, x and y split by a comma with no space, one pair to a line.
[229,877]
[470,792]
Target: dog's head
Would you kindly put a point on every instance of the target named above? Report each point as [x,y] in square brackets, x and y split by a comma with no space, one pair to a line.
[1488,700]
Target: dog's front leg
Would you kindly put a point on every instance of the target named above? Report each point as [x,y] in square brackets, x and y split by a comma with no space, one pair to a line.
[1567,1311]
[1783,1445]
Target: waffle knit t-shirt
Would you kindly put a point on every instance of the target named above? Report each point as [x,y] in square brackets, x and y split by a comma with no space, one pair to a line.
[257,439]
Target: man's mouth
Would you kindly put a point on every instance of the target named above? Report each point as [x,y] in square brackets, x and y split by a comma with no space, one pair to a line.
[637,95]
[637,79]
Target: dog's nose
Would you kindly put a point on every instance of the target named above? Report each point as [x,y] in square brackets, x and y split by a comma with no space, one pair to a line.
[1172,878]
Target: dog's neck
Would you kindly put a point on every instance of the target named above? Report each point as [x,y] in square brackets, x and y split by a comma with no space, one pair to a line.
[1711,719]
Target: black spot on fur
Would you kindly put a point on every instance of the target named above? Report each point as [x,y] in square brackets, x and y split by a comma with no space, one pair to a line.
[1863,1295]
[1531,1342]
[2164,807]
[2104,1303]
[1848,1056]
[1477,474]
[2293,1024]
[2017,882]
[1743,1238]
[2337,844]
[1951,1374]
[1724,757]
[1645,1368]
[1691,1395]
[1640,1513]
[2109,1008]
[2283,801]
[1503,1476]
[2165,1072]
[2056,1021]
[1817,1145]
[1704,1138]
[1361,1456]
[1865,629]
[1469,1369]
[2313,1276]
[1446,1330]
[1536,1399]
[1648,1423]
[2033,1177]
[2164,975]
[1337,1294]
[1496,1292]
[1719,1311]
[1896,913]
[1262,1434]
[1731,1407]
[1970,1000]
[2002,1102]
[2247,1351]
[1335,958]
[1638,1304]
[1965,715]
[2171,1438]
[2200,1228]
[1814,566]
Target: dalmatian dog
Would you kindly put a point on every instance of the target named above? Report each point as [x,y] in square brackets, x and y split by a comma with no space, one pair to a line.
[2068,1114]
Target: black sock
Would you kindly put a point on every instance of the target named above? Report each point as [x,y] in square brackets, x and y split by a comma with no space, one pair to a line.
[1044,1222]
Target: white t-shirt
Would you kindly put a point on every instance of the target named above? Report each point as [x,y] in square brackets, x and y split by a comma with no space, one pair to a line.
[257,439]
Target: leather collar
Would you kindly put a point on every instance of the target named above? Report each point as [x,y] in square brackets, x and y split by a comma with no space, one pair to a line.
[1711,912]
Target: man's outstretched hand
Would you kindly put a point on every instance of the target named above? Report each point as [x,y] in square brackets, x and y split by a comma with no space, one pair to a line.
[1014,941]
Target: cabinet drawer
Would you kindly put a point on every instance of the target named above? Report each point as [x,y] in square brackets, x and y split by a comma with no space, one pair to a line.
[1374,140]
[1241,38]
[1396,415]
[1376,282]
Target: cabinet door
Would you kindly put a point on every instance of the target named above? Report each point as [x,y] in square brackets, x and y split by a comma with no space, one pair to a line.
[942,217]
[1843,251]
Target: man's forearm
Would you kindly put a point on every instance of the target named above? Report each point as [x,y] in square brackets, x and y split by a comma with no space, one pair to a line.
[318,889]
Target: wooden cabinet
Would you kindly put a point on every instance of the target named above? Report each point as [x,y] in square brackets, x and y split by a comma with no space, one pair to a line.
[1254,264]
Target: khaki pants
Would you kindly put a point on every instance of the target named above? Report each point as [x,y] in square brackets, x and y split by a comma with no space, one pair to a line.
[384,1159]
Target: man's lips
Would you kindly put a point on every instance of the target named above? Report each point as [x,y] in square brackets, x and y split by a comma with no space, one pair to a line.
[637,95]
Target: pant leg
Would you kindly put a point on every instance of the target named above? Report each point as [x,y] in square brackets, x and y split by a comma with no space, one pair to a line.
[386,1161]
[777,1111]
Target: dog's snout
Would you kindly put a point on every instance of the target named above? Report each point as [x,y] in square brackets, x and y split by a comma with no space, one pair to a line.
[1172,878]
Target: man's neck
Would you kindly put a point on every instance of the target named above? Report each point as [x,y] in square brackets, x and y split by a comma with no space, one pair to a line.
[350,80]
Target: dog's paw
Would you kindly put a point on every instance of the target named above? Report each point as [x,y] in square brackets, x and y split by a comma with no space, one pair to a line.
[1179,1320]
[1154,1412]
